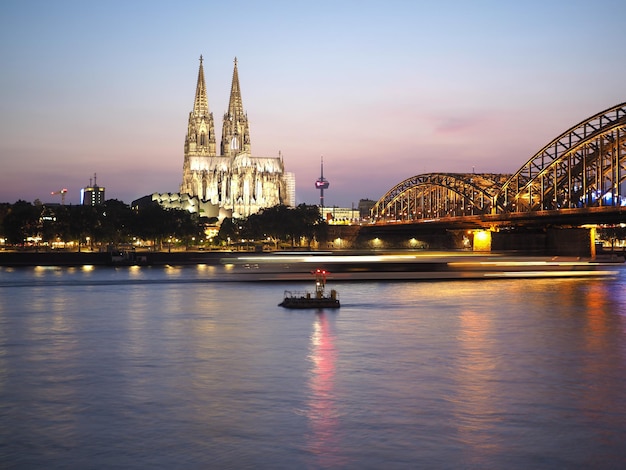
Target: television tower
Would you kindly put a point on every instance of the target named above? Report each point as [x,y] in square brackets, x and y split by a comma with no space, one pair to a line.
[322,184]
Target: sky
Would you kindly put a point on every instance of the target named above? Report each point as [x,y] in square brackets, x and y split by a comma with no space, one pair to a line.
[382,90]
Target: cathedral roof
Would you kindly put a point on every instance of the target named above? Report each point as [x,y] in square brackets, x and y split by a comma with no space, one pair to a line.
[243,162]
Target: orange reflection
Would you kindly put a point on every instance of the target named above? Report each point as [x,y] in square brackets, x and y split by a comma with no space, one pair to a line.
[322,411]
[474,404]
[602,359]
[596,301]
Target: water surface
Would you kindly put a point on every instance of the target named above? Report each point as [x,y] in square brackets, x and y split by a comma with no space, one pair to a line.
[171,368]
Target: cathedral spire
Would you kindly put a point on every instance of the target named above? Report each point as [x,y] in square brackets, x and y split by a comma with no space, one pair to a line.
[235,105]
[201,103]
[200,138]
[235,131]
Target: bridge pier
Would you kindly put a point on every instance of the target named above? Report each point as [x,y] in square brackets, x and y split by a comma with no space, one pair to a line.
[482,240]
[579,242]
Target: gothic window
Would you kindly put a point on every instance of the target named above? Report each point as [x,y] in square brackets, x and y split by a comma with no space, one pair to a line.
[234,144]
[202,139]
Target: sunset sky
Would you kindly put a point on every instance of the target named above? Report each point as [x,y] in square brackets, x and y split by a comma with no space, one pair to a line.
[383,90]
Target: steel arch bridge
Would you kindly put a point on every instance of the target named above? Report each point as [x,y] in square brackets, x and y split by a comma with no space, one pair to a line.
[582,168]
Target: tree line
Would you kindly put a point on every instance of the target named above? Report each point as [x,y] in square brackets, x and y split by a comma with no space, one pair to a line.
[116,223]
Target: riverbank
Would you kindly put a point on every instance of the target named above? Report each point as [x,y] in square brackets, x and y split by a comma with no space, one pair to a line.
[65,258]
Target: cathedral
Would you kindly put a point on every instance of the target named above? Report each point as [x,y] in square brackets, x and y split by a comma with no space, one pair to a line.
[235,181]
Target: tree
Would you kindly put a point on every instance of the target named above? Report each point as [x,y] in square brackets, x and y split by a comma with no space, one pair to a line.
[147,223]
[181,224]
[285,224]
[115,222]
[612,234]
[52,226]
[5,208]
[228,231]
[22,221]
[310,224]
[83,223]
[274,223]
[153,222]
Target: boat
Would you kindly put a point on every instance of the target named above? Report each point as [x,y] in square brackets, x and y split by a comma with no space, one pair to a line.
[416,266]
[317,299]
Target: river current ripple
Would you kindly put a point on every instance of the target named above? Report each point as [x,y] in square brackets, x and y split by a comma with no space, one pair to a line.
[160,368]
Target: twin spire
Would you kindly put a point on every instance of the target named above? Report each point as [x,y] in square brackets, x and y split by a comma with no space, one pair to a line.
[235,105]
[235,130]
[201,103]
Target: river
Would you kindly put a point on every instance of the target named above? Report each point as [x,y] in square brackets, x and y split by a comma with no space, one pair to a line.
[169,367]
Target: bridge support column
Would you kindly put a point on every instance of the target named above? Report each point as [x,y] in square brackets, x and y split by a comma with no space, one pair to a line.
[482,241]
[592,242]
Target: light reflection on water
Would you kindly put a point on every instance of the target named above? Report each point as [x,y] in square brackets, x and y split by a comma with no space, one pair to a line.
[154,367]
[473,404]
[324,440]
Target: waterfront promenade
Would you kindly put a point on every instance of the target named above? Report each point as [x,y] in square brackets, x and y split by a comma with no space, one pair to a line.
[66,258]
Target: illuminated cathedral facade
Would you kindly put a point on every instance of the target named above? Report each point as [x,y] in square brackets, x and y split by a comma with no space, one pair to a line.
[234,180]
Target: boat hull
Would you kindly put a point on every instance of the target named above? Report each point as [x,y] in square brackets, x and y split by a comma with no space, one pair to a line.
[305,303]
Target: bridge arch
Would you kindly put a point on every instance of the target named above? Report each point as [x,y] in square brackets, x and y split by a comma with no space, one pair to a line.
[436,195]
[583,167]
